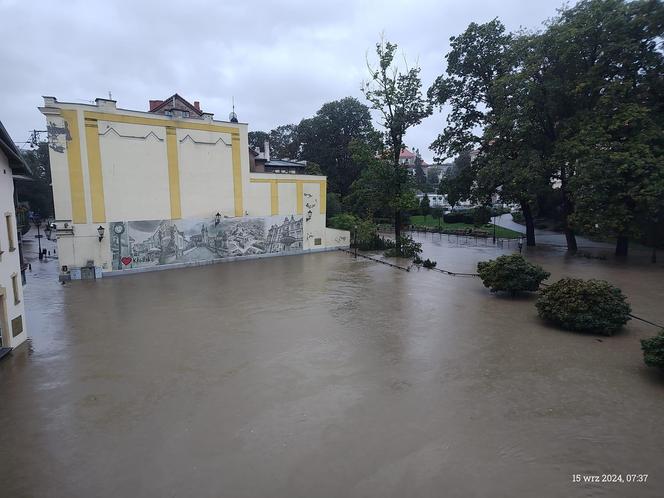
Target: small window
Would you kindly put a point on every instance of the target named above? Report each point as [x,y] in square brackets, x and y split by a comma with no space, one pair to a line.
[17,325]
[185,114]
[15,287]
[317,241]
[169,113]
[10,232]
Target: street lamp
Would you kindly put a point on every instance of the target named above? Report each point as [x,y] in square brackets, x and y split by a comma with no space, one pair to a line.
[100,231]
[37,222]
[217,218]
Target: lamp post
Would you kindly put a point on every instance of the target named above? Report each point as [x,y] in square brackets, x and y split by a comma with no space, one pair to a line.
[37,222]
[100,231]
[217,219]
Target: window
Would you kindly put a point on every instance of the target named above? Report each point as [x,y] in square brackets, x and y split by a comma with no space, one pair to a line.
[10,232]
[169,113]
[17,325]
[15,287]
[185,114]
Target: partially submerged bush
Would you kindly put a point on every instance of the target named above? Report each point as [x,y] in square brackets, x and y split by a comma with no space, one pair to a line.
[428,263]
[409,248]
[584,305]
[653,350]
[511,274]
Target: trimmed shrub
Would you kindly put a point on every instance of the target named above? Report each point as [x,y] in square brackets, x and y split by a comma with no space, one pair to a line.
[511,274]
[653,350]
[584,305]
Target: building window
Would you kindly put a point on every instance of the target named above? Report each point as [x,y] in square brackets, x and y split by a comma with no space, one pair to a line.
[169,113]
[185,114]
[15,287]
[17,325]
[10,232]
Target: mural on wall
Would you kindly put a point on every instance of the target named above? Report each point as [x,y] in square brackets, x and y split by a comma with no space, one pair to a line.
[137,244]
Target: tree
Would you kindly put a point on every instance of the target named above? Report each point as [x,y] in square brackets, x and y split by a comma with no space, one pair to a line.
[610,116]
[511,273]
[432,175]
[458,180]
[437,214]
[425,205]
[397,96]
[284,142]
[486,94]
[257,139]
[37,191]
[326,139]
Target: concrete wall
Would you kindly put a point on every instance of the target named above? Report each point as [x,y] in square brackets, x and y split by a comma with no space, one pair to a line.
[12,312]
[111,165]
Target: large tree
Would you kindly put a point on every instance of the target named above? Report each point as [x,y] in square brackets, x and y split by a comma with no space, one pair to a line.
[285,142]
[397,97]
[489,113]
[37,191]
[326,140]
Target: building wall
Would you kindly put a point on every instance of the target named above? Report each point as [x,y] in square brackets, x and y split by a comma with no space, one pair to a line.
[12,313]
[111,166]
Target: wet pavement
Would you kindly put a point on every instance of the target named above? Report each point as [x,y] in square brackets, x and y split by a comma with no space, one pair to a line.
[327,376]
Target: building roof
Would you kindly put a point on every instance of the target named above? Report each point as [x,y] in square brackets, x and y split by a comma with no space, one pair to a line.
[16,161]
[406,154]
[158,105]
[284,163]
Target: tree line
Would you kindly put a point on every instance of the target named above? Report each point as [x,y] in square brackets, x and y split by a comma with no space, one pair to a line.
[567,119]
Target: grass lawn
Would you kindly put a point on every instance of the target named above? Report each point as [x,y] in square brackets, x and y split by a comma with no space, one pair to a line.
[430,222]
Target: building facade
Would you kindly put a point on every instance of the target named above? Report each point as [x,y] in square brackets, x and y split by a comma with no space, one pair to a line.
[134,190]
[13,330]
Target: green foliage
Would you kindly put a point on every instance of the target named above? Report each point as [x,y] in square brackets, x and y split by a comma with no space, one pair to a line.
[285,142]
[458,180]
[313,168]
[653,350]
[343,221]
[429,264]
[425,205]
[584,305]
[409,248]
[257,139]
[364,232]
[334,205]
[37,193]
[328,138]
[511,273]
[397,97]
[481,216]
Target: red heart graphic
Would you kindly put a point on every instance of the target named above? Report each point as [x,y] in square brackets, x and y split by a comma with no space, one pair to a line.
[126,260]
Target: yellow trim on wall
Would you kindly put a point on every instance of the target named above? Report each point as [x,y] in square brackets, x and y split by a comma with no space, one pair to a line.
[95,173]
[323,197]
[300,197]
[75,168]
[173,172]
[274,197]
[159,121]
[237,174]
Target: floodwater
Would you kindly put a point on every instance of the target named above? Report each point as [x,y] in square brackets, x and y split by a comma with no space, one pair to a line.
[327,376]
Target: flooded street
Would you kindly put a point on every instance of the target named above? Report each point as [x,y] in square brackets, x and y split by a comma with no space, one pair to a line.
[327,376]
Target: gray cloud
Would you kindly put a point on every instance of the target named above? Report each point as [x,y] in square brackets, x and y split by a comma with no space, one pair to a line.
[280,60]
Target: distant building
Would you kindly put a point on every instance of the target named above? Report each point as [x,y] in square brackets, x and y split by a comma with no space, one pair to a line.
[411,160]
[13,330]
[261,162]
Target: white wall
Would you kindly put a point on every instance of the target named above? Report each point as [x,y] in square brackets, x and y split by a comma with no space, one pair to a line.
[135,171]
[206,173]
[9,261]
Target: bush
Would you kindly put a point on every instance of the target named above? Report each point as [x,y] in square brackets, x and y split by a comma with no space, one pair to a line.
[511,274]
[363,233]
[409,248]
[584,305]
[653,350]
[427,263]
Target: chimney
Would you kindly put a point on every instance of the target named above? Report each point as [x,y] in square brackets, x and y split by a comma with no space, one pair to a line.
[197,105]
[154,104]
[266,152]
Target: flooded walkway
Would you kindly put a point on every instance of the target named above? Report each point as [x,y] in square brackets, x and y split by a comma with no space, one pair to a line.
[325,376]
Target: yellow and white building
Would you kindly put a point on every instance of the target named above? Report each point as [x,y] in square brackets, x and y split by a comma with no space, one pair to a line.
[139,190]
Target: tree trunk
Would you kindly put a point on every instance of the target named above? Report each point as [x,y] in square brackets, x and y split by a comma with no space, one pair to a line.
[397,231]
[530,223]
[568,209]
[622,243]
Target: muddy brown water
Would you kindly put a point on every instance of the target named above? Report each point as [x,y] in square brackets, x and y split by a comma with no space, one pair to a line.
[326,376]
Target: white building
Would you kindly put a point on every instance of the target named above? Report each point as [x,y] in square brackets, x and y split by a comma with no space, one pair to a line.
[133,190]
[12,313]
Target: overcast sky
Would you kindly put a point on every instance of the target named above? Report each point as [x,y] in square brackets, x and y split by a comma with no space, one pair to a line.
[281,60]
